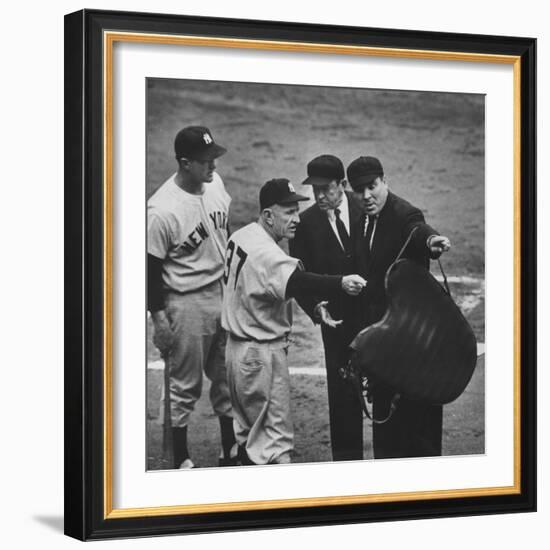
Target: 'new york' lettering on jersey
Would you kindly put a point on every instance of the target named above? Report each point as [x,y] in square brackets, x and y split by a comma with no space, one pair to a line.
[255,276]
[188,232]
[200,233]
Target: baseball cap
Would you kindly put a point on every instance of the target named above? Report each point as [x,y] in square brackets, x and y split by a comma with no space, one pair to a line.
[278,191]
[323,169]
[197,143]
[363,170]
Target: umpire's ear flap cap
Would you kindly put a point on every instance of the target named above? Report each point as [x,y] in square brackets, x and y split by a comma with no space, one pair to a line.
[363,170]
[324,169]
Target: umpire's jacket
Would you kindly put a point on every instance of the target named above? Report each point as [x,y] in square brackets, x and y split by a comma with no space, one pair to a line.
[317,246]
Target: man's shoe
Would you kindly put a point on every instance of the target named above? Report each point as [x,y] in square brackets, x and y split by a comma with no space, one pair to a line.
[187,464]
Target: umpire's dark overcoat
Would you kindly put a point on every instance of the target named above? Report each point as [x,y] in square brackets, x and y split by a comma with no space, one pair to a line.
[316,245]
[415,429]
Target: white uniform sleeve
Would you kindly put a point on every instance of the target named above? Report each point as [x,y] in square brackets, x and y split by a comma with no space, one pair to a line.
[278,273]
[158,235]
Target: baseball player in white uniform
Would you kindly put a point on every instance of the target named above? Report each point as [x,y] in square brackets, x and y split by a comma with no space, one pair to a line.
[187,236]
[260,280]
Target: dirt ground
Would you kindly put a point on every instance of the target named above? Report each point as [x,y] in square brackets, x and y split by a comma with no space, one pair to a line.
[463,422]
[432,148]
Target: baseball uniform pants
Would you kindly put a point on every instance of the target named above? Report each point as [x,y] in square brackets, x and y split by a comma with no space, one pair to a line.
[259,384]
[199,345]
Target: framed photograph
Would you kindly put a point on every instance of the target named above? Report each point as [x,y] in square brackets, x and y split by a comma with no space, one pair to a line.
[300,274]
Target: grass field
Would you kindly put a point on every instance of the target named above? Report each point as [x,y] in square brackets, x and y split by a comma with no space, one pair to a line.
[432,148]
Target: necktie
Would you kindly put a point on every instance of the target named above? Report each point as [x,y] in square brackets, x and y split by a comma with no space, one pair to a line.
[342,233]
[370,229]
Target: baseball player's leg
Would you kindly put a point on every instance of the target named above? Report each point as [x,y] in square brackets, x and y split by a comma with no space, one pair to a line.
[240,427]
[195,320]
[215,370]
[249,375]
[278,426]
[186,357]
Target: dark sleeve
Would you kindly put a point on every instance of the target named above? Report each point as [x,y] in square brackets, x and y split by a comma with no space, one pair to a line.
[420,239]
[305,283]
[298,248]
[155,292]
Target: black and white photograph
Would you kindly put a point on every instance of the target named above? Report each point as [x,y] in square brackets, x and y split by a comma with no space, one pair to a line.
[315,274]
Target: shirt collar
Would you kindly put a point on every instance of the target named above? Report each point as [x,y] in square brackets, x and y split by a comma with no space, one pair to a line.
[343,206]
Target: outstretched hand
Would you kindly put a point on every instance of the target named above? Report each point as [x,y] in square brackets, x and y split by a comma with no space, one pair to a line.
[322,313]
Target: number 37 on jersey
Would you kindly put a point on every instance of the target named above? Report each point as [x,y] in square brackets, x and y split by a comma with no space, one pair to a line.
[235,258]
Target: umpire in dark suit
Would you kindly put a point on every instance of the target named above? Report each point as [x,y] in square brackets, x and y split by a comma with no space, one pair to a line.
[415,429]
[323,242]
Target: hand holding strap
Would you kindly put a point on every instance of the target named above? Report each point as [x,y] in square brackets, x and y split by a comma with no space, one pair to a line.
[403,248]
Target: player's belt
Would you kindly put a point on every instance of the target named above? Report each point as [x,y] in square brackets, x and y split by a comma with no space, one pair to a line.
[257,341]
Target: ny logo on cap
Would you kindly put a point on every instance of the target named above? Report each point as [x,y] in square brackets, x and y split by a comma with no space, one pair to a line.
[207,139]
[291,188]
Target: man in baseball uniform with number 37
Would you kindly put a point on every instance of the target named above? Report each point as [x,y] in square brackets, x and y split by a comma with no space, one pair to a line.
[260,280]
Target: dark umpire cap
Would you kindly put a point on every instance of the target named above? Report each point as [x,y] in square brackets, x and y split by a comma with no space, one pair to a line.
[197,143]
[363,171]
[278,191]
[324,169]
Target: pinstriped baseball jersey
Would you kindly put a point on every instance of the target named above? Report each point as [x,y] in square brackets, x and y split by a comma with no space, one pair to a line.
[189,232]
[256,275]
